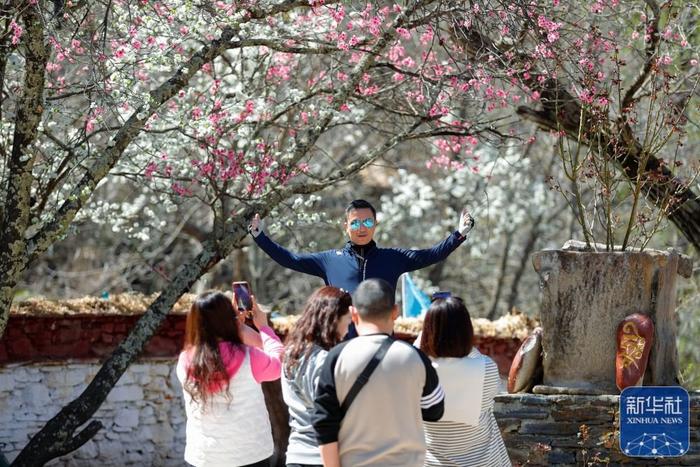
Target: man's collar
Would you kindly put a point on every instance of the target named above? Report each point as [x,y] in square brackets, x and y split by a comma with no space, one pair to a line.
[350,246]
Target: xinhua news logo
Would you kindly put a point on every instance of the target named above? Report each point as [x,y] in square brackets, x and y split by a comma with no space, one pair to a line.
[654,421]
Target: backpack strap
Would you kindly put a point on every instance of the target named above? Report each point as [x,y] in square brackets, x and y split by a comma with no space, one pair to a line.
[366,373]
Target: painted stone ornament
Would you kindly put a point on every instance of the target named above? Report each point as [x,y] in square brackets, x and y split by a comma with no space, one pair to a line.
[635,336]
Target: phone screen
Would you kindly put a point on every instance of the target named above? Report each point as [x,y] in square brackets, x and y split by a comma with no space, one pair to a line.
[242,292]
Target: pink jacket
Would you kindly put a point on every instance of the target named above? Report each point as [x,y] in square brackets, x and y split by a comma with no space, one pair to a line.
[233,430]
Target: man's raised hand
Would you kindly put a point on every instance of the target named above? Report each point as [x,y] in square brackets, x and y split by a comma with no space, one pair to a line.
[466,223]
[255,226]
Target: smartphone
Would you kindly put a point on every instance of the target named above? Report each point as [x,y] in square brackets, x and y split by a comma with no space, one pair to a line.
[440,294]
[242,291]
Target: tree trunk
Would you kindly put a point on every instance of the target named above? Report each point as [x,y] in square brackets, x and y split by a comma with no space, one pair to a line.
[17,202]
[527,250]
[279,419]
[501,275]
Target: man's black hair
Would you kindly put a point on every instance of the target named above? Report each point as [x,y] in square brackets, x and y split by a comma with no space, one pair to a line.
[360,204]
[374,299]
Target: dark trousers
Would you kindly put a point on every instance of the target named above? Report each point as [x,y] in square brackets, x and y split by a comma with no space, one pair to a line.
[262,463]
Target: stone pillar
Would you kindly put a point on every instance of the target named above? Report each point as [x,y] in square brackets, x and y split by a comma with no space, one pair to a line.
[585,294]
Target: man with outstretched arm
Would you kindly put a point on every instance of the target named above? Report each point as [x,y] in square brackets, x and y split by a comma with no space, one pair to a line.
[361,258]
[381,422]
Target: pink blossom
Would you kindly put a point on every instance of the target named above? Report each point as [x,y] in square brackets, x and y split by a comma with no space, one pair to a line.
[181,190]
[150,169]
[427,36]
[338,13]
[586,96]
[16,32]
[396,52]
[665,60]
[403,32]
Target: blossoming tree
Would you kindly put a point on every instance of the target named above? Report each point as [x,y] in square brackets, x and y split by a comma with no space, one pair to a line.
[228,106]
[233,107]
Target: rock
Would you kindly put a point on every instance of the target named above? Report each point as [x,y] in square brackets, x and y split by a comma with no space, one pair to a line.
[586,295]
[129,393]
[526,364]
[552,390]
[127,418]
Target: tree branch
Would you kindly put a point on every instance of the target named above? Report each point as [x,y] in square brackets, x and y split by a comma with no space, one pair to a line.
[651,49]
[116,146]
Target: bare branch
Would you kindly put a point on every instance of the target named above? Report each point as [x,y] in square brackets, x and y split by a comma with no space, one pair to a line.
[651,50]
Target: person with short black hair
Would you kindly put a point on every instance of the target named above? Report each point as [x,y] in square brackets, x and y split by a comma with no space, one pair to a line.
[361,258]
[467,434]
[380,422]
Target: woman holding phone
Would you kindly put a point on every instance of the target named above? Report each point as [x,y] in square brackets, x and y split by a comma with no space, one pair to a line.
[322,325]
[227,420]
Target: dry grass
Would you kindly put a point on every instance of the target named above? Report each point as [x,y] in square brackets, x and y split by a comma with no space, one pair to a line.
[121,304]
[515,325]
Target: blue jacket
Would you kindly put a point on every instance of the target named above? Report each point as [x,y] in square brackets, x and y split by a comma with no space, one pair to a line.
[341,268]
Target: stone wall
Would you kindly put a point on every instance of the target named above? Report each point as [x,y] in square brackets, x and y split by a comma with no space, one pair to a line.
[547,430]
[46,360]
[143,416]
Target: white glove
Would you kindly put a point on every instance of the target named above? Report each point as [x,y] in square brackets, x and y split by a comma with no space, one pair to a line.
[255,226]
[466,223]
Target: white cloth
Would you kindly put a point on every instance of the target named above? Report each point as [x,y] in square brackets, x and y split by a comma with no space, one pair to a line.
[464,378]
[228,432]
[451,443]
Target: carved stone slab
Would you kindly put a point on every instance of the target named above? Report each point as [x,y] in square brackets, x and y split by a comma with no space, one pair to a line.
[585,295]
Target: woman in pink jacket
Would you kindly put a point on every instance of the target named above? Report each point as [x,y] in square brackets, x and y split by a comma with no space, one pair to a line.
[227,420]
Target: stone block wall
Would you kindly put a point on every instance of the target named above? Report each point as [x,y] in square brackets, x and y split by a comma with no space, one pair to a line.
[143,416]
[575,430]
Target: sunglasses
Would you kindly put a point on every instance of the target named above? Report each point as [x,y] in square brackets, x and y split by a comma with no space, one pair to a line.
[441,295]
[356,223]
